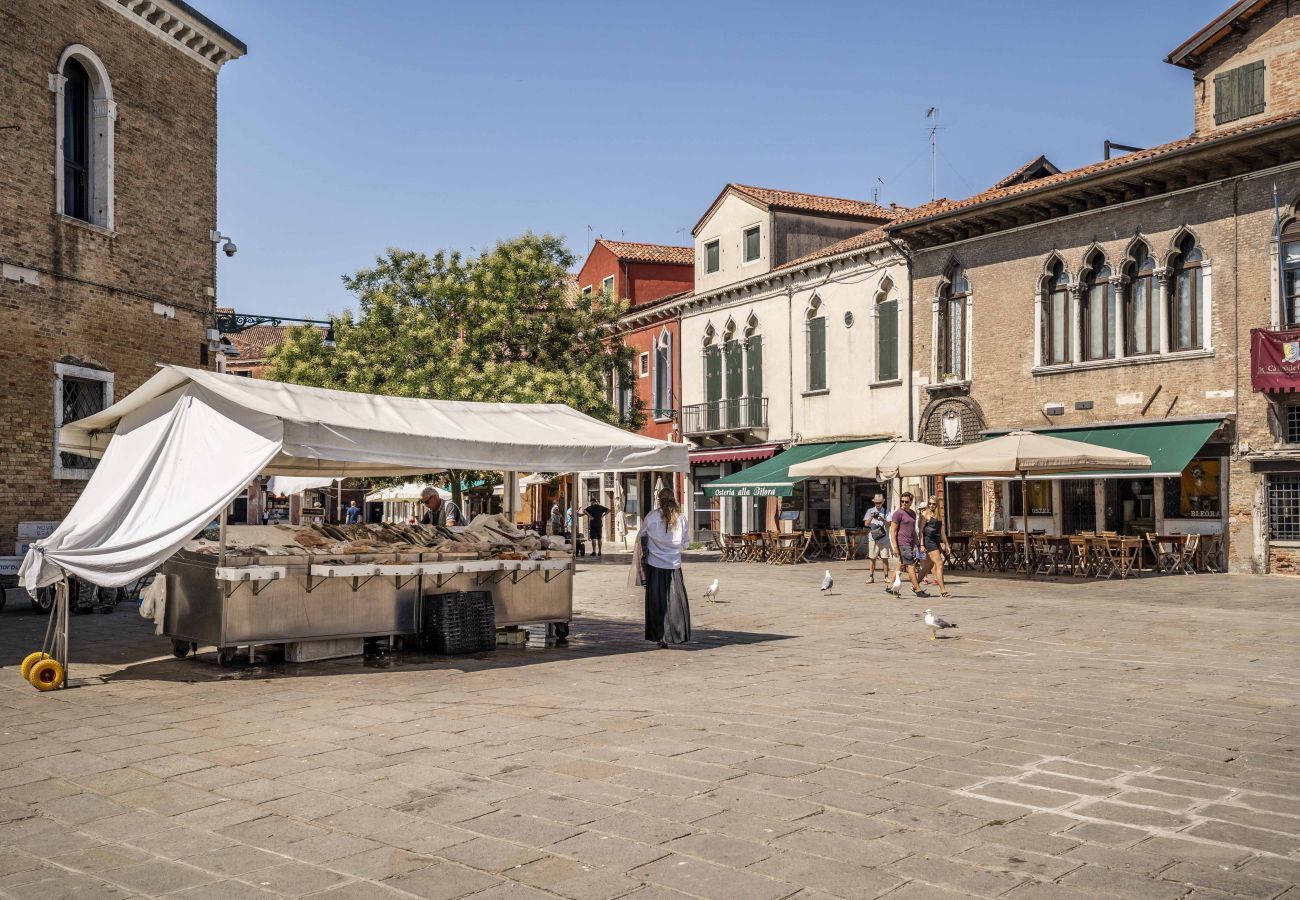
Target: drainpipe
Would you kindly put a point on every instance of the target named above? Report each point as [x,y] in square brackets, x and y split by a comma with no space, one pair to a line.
[911,332]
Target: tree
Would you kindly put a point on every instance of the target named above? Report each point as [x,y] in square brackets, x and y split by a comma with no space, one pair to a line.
[506,326]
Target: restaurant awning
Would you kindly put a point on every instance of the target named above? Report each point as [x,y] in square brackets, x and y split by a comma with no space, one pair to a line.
[1170,445]
[772,478]
[732,454]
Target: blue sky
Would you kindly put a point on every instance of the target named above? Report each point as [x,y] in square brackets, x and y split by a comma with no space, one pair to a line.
[353,127]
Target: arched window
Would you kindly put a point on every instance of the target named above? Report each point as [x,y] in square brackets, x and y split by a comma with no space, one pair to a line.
[755,412]
[712,381]
[954,296]
[1098,310]
[816,341]
[886,332]
[1057,332]
[663,376]
[1291,275]
[1139,302]
[85,115]
[1186,330]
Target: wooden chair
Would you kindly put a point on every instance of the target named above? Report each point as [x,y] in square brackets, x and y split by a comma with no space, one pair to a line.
[1042,555]
[1187,560]
[799,547]
[710,539]
[1212,553]
[1166,553]
[839,543]
[776,550]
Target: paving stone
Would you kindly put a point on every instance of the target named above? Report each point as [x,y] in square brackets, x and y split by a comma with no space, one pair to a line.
[490,854]
[158,876]
[1099,880]
[960,876]
[720,848]
[841,847]
[233,860]
[1251,838]
[704,879]
[841,879]
[293,879]
[1019,862]
[614,853]
[1230,882]
[441,881]
[72,886]
[225,890]
[98,859]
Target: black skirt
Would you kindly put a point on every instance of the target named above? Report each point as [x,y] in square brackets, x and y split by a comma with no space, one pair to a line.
[667,611]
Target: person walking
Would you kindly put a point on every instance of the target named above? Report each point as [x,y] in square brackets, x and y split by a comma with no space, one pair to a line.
[662,537]
[903,541]
[352,514]
[876,521]
[557,519]
[596,513]
[934,540]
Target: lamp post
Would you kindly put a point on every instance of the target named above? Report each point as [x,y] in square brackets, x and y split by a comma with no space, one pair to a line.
[234,323]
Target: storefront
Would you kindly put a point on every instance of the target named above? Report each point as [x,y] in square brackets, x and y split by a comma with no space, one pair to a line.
[1184,491]
[763,495]
[731,514]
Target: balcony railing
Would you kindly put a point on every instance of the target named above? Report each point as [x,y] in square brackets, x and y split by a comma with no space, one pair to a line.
[745,413]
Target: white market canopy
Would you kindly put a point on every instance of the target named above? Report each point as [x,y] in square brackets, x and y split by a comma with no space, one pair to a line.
[411,490]
[283,485]
[178,449]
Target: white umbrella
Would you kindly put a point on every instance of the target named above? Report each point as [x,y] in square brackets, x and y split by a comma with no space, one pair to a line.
[1024,453]
[876,461]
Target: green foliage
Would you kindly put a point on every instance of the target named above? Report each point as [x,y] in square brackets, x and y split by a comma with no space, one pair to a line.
[501,327]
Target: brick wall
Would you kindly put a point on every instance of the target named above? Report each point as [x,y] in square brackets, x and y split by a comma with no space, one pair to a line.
[1274,37]
[1232,221]
[94,303]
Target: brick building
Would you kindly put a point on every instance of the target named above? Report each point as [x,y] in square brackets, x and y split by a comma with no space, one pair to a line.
[108,194]
[652,278]
[1114,303]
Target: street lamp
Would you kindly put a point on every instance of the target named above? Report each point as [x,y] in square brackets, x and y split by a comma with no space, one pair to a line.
[234,323]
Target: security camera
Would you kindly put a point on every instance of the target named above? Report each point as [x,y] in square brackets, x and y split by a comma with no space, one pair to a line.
[230,248]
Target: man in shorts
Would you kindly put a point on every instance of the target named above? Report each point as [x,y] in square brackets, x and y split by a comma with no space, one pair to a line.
[905,541]
[876,521]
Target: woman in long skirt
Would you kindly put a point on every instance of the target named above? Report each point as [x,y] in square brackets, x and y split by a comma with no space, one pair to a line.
[667,610]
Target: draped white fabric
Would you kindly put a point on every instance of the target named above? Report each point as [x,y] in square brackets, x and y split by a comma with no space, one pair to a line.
[173,465]
[178,449]
[283,485]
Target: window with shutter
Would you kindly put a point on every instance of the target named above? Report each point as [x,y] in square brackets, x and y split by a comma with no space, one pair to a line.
[712,384]
[887,340]
[817,354]
[733,362]
[1239,92]
[754,380]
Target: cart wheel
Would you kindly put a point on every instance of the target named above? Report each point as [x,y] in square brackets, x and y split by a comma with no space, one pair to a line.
[43,602]
[180,649]
[226,656]
[32,659]
[46,675]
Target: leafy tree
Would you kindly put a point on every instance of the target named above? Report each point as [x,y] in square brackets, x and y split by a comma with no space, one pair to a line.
[506,326]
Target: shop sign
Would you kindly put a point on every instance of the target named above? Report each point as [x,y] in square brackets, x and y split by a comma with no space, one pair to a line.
[745,491]
[1274,359]
[34,531]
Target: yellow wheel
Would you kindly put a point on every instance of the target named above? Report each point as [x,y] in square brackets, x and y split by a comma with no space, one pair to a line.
[32,659]
[46,675]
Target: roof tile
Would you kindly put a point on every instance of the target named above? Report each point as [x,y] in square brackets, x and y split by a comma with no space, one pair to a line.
[651,253]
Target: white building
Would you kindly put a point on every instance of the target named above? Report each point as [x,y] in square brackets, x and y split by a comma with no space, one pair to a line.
[797,336]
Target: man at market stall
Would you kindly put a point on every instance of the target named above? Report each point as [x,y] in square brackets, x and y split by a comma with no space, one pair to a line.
[439,511]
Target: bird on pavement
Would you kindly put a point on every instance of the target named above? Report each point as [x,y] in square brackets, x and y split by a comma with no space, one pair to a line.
[827,582]
[935,623]
[711,592]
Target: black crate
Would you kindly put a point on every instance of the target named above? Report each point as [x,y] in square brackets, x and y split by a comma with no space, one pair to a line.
[459,622]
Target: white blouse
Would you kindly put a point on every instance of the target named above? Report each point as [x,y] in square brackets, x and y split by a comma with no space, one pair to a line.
[663,546]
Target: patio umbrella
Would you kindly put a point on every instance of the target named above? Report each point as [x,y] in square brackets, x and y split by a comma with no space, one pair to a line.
[1024,453]
[877,461]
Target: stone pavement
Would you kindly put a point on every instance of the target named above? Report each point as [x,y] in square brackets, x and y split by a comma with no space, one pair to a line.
[1069,740]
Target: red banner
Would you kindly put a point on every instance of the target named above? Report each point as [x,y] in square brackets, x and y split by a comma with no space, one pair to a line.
[1275,359]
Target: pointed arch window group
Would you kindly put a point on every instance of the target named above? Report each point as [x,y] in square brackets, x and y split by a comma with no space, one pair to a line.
[733,376]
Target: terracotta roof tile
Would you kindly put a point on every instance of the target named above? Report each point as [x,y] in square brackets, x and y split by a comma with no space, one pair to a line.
[839,206]
[254,343]
[651,253]
[1131,160]
[857,242]
[1019,174]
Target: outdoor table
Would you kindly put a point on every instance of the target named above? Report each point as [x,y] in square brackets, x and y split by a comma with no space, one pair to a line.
[787,548]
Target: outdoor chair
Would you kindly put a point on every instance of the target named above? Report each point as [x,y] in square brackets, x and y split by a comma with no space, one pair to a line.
[1104,552]
[727,545]
[799,547]
[839,543]
[1212,553]
[709,539]
[776,550]
[1187,561]
[1042,554]
[1166,553]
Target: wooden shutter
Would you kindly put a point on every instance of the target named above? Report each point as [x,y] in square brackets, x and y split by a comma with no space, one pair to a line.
[712,385]
[754,381]
[1239,92]
[817,354]
[887,340]
[734,365]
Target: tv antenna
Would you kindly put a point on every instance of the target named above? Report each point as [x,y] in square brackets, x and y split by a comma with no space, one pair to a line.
[933,114]
[875,191]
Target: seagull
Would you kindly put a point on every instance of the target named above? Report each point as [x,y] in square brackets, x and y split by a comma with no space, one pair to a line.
[711,592]
[935,623]
[827,582]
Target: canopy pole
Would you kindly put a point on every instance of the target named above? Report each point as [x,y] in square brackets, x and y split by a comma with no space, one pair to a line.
[1024,520]
[221,545]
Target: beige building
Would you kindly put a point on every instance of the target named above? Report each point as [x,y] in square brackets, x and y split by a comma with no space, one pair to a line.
[1115,303]
[108,204]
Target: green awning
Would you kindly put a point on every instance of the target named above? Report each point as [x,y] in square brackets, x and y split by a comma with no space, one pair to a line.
[1170,445]
[771,477]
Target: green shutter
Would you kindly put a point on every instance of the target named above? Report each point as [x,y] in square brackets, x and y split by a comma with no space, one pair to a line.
[1239,92]
[754,381]
[712,384]
[734,365]
[887,340]
[817,354]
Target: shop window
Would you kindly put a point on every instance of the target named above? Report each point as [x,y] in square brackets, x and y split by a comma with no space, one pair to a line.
[1056,316]
[1078,505]
[78,392]
[1284,507]
[1195,495]
[1186,330]
[1040,498]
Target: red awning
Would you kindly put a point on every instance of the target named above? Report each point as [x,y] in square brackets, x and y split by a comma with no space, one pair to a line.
[732,454]
[1275,359]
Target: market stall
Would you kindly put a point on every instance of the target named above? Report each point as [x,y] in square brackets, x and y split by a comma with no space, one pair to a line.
[176,451]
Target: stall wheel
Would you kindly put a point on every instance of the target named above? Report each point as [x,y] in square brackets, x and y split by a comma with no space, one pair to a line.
[43,602]
[181,649]
[46,675]
[32,659]
[226,656]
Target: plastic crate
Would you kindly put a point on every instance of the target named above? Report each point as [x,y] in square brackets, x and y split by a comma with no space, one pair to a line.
[459,622]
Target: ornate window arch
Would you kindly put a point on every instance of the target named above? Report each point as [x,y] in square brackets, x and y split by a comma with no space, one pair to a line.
[1290,251]
[1097,307]
[1186,293]
[711,353]
[662,376]
[885,307]
[815,341]
[952,325]
[85,114]
[754,410]
[1058,324]
[1141,335]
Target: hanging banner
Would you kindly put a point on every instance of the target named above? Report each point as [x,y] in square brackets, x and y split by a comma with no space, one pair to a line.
[1275,359]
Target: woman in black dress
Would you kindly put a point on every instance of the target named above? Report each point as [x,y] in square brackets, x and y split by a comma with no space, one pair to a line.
[662,537]
[934,539]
